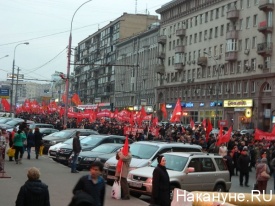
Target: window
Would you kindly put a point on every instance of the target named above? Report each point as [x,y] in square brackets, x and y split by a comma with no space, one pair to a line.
[201,17]
[255,20]
[254,42]
[256,2]
[170,44]
[215,50]
[216,32]
[209,71]
[200,36]
[217,13]
[246,65]
[247,43]
[241,4]
[253,86]
[239,66]
[173,60]
[232,68]
[245,87]
[227,27]
[169,61]
[232,88]
[210,33]
[211,15]
[247,22]
[174,44]
[267,88]
[253,64]
[196,20]
[248,3]
[240,45]
[205,35]
[206,17]
[241,24]
[231,45]
[190,39]
[239,87]
[221,49]
[195,38]
[222,30]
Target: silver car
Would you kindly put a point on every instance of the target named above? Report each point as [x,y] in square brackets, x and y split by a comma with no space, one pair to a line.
[187,171]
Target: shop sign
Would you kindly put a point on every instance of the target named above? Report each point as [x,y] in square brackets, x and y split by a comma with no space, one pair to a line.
[202,104]
[238,103]
[189,105]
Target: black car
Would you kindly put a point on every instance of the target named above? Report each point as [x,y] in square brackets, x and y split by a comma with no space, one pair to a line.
[86,158]
[47,131]
[88,144]
[62,136]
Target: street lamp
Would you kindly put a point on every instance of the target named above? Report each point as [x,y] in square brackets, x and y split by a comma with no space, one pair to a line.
[68,67]
[4,56]
[217,89]
[12,77]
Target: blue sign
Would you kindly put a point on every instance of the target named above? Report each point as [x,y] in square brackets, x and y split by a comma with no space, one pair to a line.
[212,104]
[189,105]
[4,93]
[202,104]
[182,104]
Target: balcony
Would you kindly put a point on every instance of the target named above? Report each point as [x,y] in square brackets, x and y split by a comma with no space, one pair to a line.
[179,66]
[231,56]
[162,39]
[233,14]
[180,49]
[161,55]
[160,69]
[265,49]
[264,27]
[234,34]
[202,61]
[180,32]
[266,5]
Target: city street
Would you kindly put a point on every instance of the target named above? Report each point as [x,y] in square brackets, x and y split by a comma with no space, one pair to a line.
[61,182]
[58,177]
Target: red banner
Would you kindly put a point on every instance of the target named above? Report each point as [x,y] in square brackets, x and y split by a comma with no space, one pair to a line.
[260,135]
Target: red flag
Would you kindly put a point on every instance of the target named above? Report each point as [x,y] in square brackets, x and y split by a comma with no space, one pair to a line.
[204,123]
[192,123]
[208,129]
[176,113]
[155,121]
[131,120]
[125,151]
[5,104]
[220,132]
[76,100]
[164,111]
[142,114]
[225,138]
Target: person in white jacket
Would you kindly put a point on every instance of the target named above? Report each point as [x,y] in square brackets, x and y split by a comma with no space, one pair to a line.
[223,150]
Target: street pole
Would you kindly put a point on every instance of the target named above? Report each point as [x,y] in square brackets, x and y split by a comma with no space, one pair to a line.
[16,86]
[13,63]
[216,88]
[68,68]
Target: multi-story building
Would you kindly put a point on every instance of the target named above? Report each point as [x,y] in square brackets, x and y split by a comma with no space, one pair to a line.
[216,55]
[95,57]
[135,79]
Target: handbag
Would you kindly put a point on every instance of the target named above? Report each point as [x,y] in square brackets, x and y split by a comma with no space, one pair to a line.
[265,174]
[116,190]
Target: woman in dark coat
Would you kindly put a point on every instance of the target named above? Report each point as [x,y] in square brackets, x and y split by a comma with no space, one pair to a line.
[37,141]
[161,184]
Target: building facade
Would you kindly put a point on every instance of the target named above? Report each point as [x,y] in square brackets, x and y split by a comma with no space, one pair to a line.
[95,57]
[135,79]
[216,55]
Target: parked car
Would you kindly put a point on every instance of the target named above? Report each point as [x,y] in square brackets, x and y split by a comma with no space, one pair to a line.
[13,123]
[144,152]
[53,149]
[187,171]
[40,125]
[87,144]
[85,159]
[247,131]
[62,136]
[47,131]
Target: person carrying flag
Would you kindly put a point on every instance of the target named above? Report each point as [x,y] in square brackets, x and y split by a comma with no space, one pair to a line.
[124,158]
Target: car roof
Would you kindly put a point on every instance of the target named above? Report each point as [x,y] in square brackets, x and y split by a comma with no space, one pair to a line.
[197,154]
[164,144]
[105,136]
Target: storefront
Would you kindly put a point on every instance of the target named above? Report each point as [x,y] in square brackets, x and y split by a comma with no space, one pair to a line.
[238,113]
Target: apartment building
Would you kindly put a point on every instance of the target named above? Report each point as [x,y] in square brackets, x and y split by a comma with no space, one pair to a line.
[135,77]
[95,57]
[216,55]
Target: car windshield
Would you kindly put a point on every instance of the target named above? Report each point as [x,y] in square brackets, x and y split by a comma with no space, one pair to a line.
[91,140]
[4,120]
[173,162]
[61,134]
[105,148]
[12,123]
[143,151]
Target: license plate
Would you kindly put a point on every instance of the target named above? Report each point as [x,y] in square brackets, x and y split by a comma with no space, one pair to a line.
[135,184]
[111,177]
[62,158]
[53,153]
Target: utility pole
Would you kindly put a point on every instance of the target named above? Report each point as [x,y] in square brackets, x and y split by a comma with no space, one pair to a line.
[16,86]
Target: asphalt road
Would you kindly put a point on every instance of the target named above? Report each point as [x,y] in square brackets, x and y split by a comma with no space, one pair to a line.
[58,177]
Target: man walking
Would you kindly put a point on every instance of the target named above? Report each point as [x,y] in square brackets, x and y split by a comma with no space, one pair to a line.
[243,163]
[76,151]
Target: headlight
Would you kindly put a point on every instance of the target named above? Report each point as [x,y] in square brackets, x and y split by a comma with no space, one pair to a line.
[52,142]
[89,159]
[106,165]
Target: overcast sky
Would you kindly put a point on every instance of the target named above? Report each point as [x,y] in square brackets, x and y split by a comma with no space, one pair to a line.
[45,24]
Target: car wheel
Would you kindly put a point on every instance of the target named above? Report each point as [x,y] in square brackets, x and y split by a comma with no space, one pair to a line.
[134,194]
[220,188]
